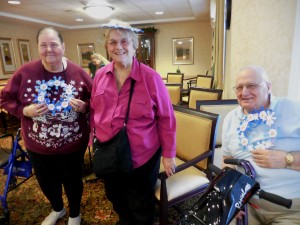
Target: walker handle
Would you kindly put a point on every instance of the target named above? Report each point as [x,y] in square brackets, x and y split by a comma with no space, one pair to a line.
[233,161]
[275,199]
[216,170]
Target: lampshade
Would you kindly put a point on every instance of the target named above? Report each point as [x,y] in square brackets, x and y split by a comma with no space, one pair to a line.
[99,11]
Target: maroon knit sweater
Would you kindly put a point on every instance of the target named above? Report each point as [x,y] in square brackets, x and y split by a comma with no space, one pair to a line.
[61,130]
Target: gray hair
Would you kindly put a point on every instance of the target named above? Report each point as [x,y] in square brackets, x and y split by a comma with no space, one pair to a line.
[131,33]
[258,71]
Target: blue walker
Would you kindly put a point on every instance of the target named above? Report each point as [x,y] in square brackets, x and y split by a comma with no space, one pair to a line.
[17,169]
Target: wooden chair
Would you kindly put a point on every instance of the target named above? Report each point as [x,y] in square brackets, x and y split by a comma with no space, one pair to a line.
[222,108]
[175,92]
[195,141]
[175,78]
[197,93]
[204,81]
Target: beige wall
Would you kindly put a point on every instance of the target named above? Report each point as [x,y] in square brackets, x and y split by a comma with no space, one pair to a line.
[201,31]
[16,32]
[262,34]
[74,37]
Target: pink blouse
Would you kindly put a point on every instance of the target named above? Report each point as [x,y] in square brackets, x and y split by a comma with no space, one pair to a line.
[151,122]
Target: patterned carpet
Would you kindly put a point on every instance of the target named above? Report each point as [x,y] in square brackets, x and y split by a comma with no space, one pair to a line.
[28,206]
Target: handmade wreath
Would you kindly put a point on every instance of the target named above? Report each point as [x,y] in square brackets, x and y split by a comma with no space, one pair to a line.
[263,120]
[50,89]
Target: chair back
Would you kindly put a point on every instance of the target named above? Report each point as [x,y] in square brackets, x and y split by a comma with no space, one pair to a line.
[204,81]
[195,134]
[197,93]
[175,78]
[220,107]
[175,91]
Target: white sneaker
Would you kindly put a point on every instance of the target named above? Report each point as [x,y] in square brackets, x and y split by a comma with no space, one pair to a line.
[53,217]
[75,221]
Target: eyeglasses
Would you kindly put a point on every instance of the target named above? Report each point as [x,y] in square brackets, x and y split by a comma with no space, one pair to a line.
[249,87]
[123,42]
[52,45]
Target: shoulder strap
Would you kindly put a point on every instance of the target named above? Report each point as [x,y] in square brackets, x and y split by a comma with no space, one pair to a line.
[129,101]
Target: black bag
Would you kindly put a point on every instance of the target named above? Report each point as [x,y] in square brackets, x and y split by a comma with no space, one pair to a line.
[223,199]
[114,155]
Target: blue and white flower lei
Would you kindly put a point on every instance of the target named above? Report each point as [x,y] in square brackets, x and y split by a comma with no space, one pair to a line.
[251,121]
[56,105]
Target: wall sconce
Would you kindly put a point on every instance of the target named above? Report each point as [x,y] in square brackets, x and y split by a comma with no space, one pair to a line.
[99,11]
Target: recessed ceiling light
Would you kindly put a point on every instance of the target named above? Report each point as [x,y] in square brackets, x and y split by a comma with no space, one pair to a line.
[14,2]
[79,19]
[159,13]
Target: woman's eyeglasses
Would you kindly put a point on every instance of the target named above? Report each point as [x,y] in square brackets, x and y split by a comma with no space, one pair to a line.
[113,43]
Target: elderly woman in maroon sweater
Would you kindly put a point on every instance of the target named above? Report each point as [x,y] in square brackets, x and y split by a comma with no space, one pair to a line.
[51,96]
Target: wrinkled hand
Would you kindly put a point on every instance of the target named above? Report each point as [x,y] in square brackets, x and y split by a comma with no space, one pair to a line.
[77,105]
[169,165]
[269,158]
[35,110]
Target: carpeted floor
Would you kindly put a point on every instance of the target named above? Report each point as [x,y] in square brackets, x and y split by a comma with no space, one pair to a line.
[28,206]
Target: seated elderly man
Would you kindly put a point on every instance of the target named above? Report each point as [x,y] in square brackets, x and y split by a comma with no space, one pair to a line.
[265,130]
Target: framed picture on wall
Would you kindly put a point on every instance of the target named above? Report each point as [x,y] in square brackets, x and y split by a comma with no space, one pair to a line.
[84,53]
[7,54]
[183,51]
[24,50]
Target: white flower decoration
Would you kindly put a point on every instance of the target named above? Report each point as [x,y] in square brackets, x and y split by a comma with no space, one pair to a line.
[253,120]
[57,83]
[250,117]
[263,115]
[64,104]
[272,133]
[44,87]
[51,106]
[244,141]
[243,127]
[41,98]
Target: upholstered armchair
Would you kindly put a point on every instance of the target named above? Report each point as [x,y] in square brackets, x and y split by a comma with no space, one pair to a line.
[175,78]
[195,141]
[220,107]
[175,92]
[197,93]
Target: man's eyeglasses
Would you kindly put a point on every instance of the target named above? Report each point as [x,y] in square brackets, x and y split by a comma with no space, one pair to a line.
[249,87]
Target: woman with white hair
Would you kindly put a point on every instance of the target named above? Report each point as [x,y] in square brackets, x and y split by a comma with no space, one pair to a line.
[151,124]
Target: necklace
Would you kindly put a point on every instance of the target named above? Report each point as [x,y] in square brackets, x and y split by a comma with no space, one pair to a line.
[256,130]
[51,89]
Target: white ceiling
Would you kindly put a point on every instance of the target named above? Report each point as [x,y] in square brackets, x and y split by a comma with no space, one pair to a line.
[62,13]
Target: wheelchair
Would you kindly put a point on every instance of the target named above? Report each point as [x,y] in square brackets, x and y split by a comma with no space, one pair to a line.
[16,167]
[227,195]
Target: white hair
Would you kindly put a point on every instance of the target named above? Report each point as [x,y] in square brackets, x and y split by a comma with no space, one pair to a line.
[258,71]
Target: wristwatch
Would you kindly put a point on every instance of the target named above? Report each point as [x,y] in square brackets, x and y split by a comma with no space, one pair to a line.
[289,159]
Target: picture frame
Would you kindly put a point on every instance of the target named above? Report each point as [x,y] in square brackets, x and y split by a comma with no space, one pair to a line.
[24,50]
[183,51]
[7,56]
[84,53]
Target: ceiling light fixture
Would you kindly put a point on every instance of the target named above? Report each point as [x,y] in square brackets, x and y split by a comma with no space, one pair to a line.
[14,2]
[159,13]
[99,11]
